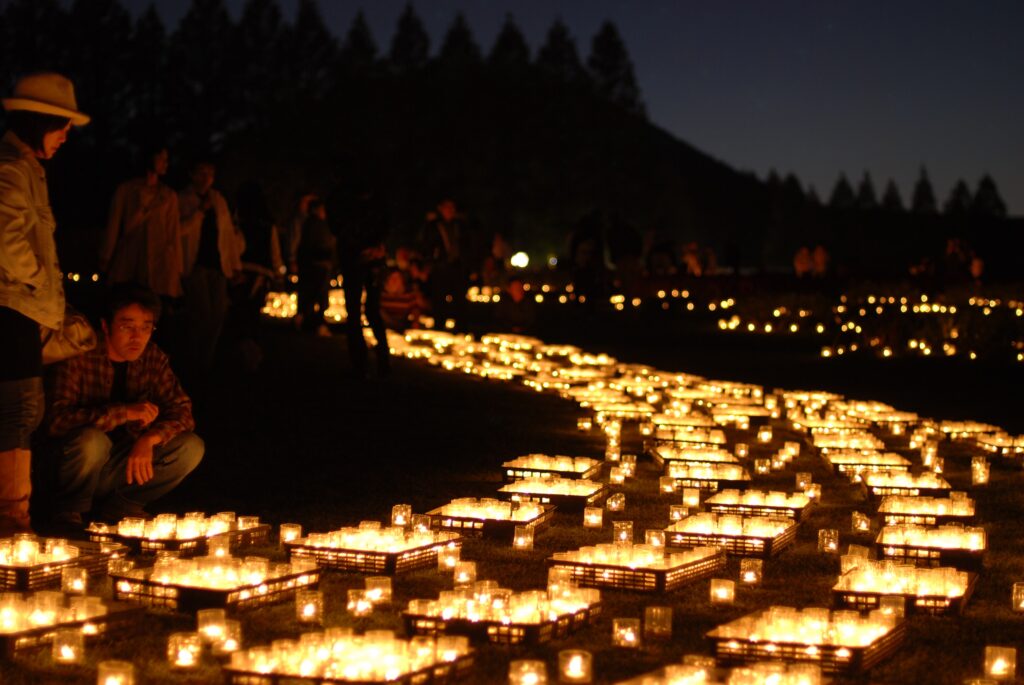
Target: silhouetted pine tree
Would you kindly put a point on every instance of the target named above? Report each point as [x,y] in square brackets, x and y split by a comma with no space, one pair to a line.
[923,200]
[793,190]
[200,76]
[32,38]
[842,194]
[359,51]
[612,69]
[866,198]
[959,201]
[311,52]
[257,60]
[510,52]
[987,200]
[410,46]
[146,75]
[811,196]
[892,201]
[773,180]
[459,51]
[558,56]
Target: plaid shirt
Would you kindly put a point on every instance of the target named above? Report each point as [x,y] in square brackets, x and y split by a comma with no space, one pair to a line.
[82,387]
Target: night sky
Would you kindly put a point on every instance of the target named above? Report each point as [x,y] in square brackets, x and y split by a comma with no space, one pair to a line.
[809,87]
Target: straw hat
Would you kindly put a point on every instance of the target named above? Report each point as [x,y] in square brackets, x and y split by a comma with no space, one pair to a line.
[47,93]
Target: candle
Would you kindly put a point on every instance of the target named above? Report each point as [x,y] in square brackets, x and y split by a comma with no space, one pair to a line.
[979,471]
[764,434]
[378,589]
[813,491]
[593,517]
[626,632]
[622,532]
[401,515]
[184,649]
[68,646]
[616,502]
[723,591]
[527,672]
[762,466]
[742,450]
[219,546]
[666,484]
[523,538]
[421,523]
[309,606]
[1018,596]
[691,497]
[658,623]
[231,638]
[1000,662]
[617,475]
[575,666]
[893,605]
[447,557]
[677,512]
[751,570]
[359,603]
[464,573]
[290,532]
[655,537]
[860,523]
[114,672]
[803,479]
[210,624]
[828,540]
[584,424]
[73,580]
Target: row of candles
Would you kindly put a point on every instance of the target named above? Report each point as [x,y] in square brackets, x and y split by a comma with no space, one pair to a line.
[190,526]
[888,577]
[215,572]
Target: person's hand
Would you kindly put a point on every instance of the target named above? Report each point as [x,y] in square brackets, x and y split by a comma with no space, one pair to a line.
[139,467]
[144,412]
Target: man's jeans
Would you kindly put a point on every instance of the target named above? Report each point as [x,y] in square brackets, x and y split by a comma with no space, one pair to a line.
[92,470]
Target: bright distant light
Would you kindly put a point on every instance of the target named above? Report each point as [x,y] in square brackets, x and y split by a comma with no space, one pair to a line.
[520,260]
[552,261]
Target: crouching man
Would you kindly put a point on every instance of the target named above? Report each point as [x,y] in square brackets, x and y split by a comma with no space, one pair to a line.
[122,421]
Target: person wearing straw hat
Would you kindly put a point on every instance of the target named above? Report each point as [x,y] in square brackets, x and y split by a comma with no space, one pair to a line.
[39,115]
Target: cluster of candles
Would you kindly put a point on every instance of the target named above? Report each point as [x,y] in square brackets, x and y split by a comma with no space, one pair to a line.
[690,435]
[889,578]
[486,601]
[706,471]
[848,441]
[491,509]
[25,549]
[811,626]
[171,527]
[217,572]
[544,462]
[729,524]
[902,479]
[760,498]
[338,653]
[46,608]
[949,536]
[279,305]
[670,453]
[371,536]
[957,504]
[650,555]
[870,459]
[553,486]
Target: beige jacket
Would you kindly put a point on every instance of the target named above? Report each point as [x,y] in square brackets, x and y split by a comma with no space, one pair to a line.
[30,278]
[230,241]
[142,242]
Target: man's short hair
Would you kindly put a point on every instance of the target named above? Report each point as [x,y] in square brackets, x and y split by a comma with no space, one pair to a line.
[123,295]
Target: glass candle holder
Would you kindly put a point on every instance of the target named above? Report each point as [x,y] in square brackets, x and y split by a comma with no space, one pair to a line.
[666,485]
[828,541]
[764,434]
[115,672]
[421,523]
[593,517]
[231,639]
[290,532]
[184,650]
[219,546]
[575,666]
[751,570]
[616,475]
[792,449]
[893,605]
[626,632]
[616,502]
[309,606]
[691,497]
[762,466]
[359,603]
[74,580]
[655,537]
[527,672]
[658,623]
[401,515]
[523,538]
[979,471]
[1018,597]
[210,623]
[677,512]
[741,450]
[813,491]
[722,591]
[378,589]
[464,573]
[803,479]
[1000,662]
[860,523]
[627,462]
[584,424]
[447,557]
[247,522]
[622,532]
[859,551]
[68,646]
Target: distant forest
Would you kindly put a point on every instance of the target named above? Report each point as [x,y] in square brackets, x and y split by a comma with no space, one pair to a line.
[531,145]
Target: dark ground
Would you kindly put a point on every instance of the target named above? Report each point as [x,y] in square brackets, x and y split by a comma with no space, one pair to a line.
[302,441]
